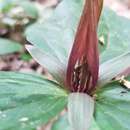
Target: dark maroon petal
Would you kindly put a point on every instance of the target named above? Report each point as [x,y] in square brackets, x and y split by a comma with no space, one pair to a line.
[83,65]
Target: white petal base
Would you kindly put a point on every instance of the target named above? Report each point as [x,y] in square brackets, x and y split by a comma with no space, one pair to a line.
[80,111]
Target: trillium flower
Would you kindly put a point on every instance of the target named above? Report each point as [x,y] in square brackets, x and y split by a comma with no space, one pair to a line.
[77,69]
[83,66]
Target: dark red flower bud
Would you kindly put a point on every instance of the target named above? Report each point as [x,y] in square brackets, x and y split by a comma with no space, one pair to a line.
[83,65]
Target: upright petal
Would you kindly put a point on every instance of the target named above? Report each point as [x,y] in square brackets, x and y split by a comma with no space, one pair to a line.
[83,65]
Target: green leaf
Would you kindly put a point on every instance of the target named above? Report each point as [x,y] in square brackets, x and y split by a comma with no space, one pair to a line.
[55,36]
[94,125]
[27,101]
[52,64]
[111,68]
[9,46]
[118,30]
[112,108]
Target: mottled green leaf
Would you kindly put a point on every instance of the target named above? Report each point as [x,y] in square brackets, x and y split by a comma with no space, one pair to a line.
[55,36]
[118,29]
[112,108]
[27,101]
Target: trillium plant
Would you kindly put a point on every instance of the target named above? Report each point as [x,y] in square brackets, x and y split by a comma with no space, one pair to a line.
[85,48]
